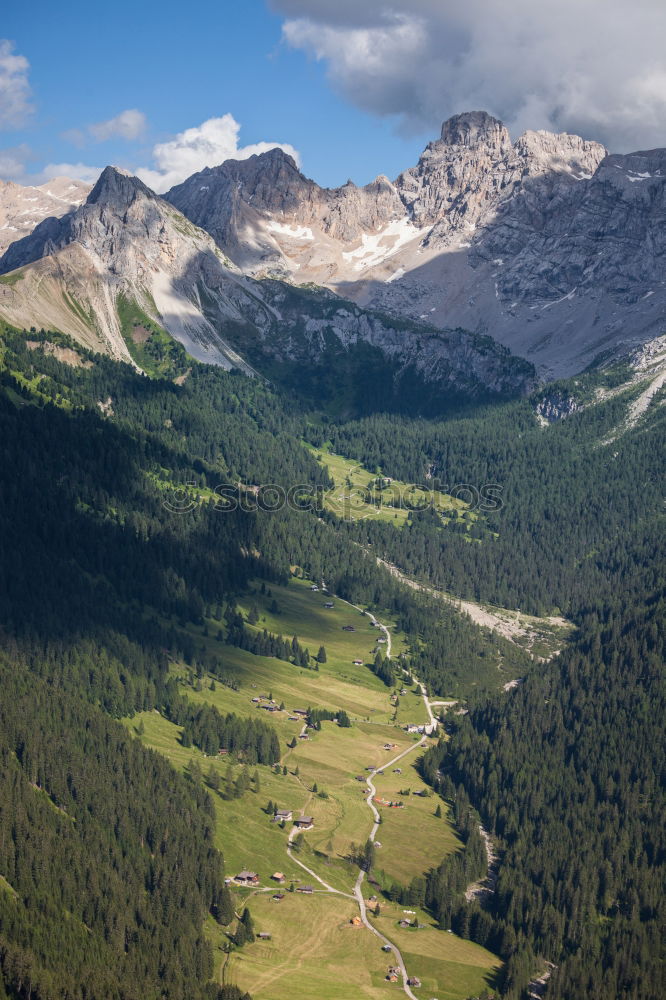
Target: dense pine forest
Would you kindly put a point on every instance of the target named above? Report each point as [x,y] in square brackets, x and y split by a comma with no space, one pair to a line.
[115,545]
[581,822]
[573,500]
[107,857]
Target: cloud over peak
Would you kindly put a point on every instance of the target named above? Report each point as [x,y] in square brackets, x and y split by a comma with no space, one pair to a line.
[205,145]
[15,107]
[130,124]
[595,67]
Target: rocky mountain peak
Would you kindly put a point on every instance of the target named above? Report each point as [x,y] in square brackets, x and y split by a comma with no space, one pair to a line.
[545,151]
[475,128]
[121,221]
[547,243]
[118,188]
[276,155]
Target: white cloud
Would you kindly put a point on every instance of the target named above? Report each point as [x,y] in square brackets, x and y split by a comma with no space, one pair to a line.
[595,67]
[130,124]
[206,145]
[13,161]
[75,136]
[15,107]
[77,172]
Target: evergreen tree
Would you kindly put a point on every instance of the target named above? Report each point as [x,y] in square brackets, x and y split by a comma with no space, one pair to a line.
[213,779]
[223,909]
[246,920]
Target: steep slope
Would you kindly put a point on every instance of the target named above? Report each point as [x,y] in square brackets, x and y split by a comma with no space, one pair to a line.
[548,244]
[127,267]
[123,245]
[23,208]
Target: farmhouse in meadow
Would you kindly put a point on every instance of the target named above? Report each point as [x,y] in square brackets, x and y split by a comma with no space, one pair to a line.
[304,823]
[282,816]
[247,878]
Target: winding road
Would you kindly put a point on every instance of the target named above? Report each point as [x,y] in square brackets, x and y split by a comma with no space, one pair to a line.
[358,890]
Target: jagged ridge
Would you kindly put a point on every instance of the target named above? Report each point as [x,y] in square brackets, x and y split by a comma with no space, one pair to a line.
[548,244]
[127,244]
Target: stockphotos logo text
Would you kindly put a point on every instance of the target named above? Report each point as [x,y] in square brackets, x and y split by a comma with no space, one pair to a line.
[349,503]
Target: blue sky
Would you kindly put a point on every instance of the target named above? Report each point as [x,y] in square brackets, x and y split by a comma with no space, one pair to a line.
[356,87]
[181,65]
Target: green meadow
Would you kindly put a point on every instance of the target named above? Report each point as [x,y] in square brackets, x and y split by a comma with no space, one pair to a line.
[312,939]
[358,494]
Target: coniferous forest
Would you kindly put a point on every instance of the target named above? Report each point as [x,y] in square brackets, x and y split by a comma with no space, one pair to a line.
[106,854]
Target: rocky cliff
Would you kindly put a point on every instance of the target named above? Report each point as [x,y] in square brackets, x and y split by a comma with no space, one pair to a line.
[547,243]
[23,208]
[126,245]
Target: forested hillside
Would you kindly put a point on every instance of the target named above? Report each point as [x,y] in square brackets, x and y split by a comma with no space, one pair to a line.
[107,856]
[117,546]
[582,821]
[126,549]
[573,503]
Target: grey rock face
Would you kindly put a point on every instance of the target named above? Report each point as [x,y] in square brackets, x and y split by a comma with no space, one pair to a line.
[605,235]
[548,244]
[556,406]
[23,208]
[126,241]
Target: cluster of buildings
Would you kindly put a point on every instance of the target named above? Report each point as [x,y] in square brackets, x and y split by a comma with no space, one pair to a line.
[263,701]
[394,973]
[413,728]
[286,815]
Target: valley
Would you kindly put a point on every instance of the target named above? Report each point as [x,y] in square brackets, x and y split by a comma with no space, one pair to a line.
[399,733]
[335,761]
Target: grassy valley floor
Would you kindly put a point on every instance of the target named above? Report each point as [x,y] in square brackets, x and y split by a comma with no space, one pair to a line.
[313,946]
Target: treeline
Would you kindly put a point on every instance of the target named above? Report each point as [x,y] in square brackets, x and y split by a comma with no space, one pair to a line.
[382,667]
[446,884]
[265,643]
[316,716]
[580,813]
[252,740]
[107,857]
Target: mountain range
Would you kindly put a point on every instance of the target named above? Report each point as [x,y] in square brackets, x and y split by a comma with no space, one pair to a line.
[23,208]
[547,249]
[405,484]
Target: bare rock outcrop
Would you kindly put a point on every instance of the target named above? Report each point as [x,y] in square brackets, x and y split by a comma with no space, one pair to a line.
[126,245]
[548,244]
[23,208]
